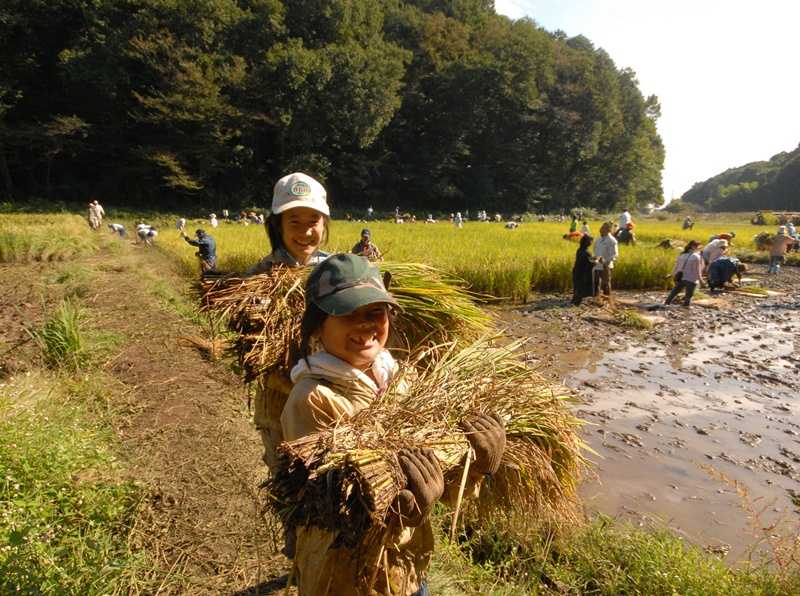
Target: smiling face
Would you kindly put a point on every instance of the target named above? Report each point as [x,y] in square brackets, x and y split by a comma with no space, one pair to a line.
[359,337]
[302,230]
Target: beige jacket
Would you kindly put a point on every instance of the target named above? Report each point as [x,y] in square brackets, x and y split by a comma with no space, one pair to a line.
[323,568]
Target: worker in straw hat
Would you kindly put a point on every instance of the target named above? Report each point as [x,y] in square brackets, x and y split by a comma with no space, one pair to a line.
[348,315]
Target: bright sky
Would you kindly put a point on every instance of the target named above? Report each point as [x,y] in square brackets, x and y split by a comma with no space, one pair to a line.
[725,72]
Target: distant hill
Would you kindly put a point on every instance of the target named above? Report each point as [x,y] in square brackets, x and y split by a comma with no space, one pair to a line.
[773,184]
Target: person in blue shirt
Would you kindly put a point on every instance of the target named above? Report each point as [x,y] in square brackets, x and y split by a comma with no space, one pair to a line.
[206,250]
[722,270]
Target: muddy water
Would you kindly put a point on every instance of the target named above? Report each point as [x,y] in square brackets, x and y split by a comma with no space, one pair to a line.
[667,412]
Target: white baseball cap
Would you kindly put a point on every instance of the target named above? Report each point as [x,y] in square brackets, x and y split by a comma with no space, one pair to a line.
[299,190]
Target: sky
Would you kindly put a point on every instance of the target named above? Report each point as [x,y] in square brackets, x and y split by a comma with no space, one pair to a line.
[725,72]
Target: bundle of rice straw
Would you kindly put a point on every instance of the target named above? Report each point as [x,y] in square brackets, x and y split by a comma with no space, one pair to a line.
[346,478]
[266,309]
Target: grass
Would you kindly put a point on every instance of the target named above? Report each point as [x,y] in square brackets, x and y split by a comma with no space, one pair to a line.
[62,338]
[25,238]
[631,318]
[757,290]
[493,260]
[64,508]
[598,557]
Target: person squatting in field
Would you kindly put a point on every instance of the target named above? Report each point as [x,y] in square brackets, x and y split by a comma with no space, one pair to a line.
[348,317]
[366,248]
[118,229]
[206,250]
[606,252]
[686,273]
[722,271]
[146,233]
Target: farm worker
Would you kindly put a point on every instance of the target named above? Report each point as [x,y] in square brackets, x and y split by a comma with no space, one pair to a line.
[777,252]
[721,272]
[96,213]
[430,219]
[791,230]
[458,221]
[714,250]
[348,313]
[686,273]
[573,225]
[206,250]
[146,233]
[212,220]
[688,224]
[225,214]
[370,213]
[626,235]
[511,225]
[365,247]
[625,218]
[585,229]
[582,277]
[729,236]
[606,252]
[118,229]
[180,225]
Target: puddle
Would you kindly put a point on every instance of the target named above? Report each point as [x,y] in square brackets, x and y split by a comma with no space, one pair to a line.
[669,412]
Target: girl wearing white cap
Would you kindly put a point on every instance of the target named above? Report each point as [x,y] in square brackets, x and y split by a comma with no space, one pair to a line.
[297,225]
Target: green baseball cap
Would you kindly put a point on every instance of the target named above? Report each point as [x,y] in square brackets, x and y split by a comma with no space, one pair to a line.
[343,283]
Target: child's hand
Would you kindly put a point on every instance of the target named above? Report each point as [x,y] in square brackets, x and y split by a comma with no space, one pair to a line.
[487,435]
[424,485]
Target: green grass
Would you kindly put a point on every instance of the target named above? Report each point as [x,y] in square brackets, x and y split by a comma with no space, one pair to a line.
[601,557]
[493,260]
[26,238]
[62,338]
[634,320]
[64,509]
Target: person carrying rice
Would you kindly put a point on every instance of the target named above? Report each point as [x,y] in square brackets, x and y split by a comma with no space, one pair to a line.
[297,226]
[348,316]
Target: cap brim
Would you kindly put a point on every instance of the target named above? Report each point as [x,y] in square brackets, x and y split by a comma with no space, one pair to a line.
[347,301]
[292,204]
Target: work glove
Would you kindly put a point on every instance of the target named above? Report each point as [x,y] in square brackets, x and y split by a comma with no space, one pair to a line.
[424,485]
[487,436]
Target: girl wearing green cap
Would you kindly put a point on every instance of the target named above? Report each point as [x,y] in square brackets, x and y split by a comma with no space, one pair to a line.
[348,318]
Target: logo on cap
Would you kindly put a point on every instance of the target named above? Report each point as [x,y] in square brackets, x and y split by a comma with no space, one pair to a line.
[300,189]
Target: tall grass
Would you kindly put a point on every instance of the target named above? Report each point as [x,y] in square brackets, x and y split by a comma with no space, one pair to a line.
[493,260]
[59,237]
[62,338]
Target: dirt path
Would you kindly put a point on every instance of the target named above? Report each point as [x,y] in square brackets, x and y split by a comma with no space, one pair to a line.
[708,393]
[183,423]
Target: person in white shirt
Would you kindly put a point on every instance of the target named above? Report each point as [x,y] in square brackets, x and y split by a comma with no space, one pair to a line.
[714,250]
[606,252]
[687,273]
[585,229]
[212,220]
[625,219]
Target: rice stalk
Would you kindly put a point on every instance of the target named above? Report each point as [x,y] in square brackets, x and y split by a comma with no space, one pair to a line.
[265,311]
[346,478]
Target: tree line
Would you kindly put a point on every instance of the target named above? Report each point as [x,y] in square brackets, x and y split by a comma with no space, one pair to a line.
[772,184]
[440,105]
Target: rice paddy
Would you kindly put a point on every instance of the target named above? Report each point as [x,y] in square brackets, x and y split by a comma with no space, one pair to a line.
[491,259]
[46,237]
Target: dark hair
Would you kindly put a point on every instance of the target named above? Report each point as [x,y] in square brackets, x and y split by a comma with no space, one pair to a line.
[313,318]
[273,225]
[691,245]
[586,241]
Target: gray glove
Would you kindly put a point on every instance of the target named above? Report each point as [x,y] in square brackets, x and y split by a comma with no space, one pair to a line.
[487,435]
[424,485]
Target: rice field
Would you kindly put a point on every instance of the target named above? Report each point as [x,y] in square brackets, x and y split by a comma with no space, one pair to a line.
[44,237]
[491,259]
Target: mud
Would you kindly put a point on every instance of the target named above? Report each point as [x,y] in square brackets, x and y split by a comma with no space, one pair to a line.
[684,414]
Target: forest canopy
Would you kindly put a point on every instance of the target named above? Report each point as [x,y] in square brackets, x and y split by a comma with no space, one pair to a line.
[773,184]
[439,105]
